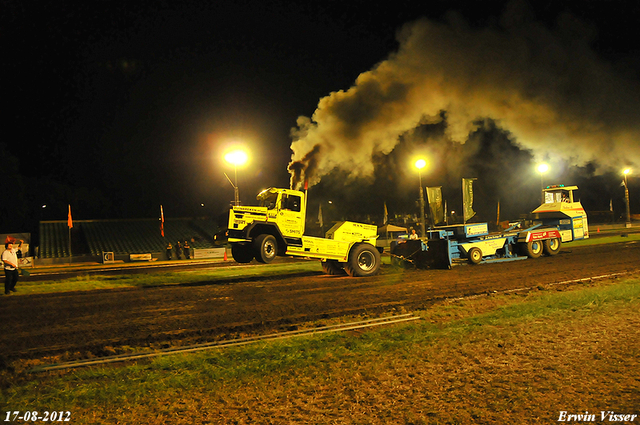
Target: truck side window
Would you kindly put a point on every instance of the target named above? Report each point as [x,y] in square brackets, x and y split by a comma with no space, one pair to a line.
[291,202]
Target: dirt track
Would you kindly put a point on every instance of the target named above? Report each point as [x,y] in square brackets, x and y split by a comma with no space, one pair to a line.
[91,323]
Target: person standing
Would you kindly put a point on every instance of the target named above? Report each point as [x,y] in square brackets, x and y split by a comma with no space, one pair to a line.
[19,251]
[169,249]
[10,261]
[186,248]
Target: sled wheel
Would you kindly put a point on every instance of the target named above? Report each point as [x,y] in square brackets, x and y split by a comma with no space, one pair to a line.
[475,255]
[552,246]
[533,249]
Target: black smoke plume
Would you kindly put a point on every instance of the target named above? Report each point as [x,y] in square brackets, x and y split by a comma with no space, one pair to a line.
[544,87]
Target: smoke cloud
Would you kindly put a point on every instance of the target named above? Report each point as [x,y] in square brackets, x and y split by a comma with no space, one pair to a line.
[546,87]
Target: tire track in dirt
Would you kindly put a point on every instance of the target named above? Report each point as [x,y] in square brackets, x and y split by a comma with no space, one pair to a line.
[87,323]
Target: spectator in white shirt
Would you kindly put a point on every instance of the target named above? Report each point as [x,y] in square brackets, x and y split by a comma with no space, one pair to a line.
[10,261]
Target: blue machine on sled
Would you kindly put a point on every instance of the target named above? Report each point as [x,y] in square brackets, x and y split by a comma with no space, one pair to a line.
[558,220]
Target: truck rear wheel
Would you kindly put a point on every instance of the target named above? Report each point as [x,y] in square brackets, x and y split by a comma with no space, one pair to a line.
[364,260]
[475,255]
[266,248]
[552,246]
[242,253]
[533,249]
[333,268]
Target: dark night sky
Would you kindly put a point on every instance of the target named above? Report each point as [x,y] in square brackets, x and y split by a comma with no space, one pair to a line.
[138,99]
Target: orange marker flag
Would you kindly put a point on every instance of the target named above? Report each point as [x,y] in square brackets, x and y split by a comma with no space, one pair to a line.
[161,221]
[69,220]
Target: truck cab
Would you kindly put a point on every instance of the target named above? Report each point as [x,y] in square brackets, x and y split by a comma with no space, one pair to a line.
[280,214]
[286,208]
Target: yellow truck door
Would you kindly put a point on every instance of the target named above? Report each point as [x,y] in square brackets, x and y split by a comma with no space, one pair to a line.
[291,216]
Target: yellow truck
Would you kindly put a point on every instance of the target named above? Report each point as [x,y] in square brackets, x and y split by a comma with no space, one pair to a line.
[276,228]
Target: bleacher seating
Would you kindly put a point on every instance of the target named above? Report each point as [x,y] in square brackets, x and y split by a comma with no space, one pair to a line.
[205,227]
[54,239]
[122,236]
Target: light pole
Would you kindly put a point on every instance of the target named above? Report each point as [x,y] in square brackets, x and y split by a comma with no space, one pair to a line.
[420,164]
[236,157]
[626,196]
[542,168]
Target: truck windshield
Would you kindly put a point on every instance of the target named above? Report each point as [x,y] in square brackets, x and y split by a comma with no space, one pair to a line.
[557,196]
[269,201]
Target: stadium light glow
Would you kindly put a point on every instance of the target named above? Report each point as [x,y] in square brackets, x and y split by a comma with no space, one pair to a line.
[420,164]
[236,157]
[542,168]
[626,172]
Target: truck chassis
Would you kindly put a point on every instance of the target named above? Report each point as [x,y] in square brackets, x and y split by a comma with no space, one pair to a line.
[276,228]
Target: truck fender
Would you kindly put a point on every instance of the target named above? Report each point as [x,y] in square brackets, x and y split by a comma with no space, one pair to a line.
[538,235]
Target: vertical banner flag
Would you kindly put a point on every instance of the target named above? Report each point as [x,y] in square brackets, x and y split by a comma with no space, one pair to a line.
[467,199]
[69,220]
[161,221]
[386,214]
[498,216]
[446,213]
[434,197]
[320,220]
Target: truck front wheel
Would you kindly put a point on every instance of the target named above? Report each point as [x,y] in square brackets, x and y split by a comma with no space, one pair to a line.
[242,253]
[552,246]
[266,248]
[364,260]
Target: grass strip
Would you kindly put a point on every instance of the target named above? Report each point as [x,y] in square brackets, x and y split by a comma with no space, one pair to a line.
[506,358]
[88,282]
[93,281]
[602,240]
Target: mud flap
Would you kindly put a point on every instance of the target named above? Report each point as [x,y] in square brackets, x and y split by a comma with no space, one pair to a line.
[432,255]
[437,256]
